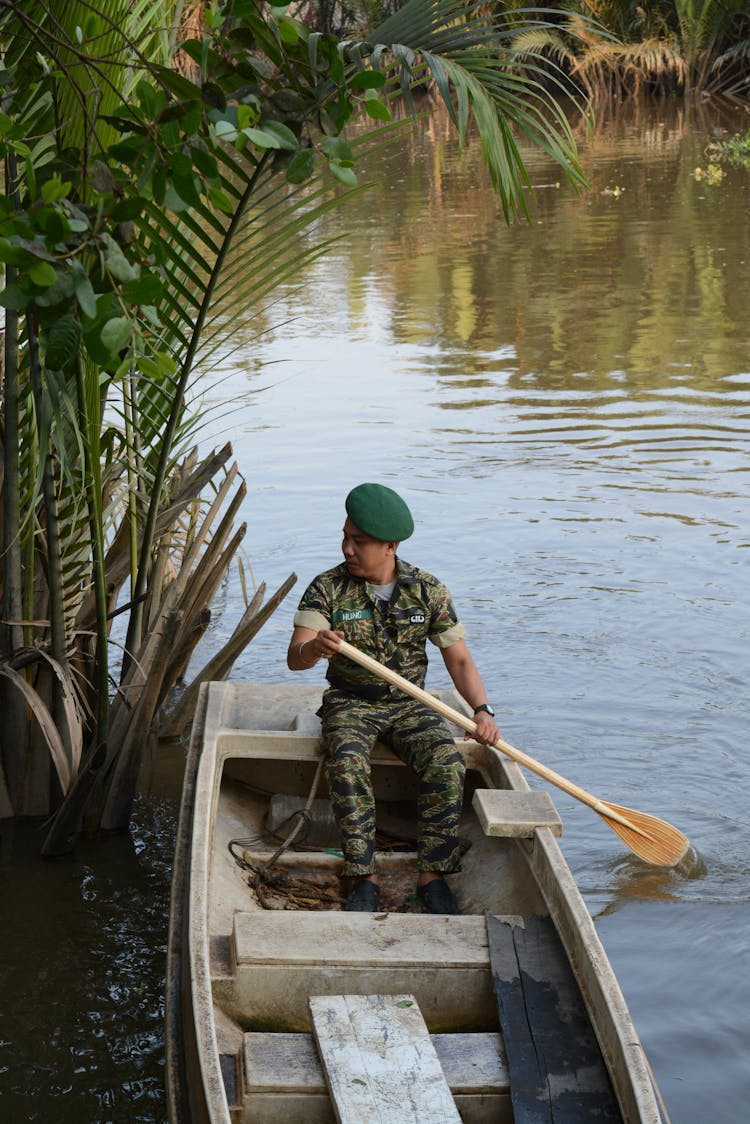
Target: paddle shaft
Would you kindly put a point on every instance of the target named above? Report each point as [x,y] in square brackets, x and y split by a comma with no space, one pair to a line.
[470,726]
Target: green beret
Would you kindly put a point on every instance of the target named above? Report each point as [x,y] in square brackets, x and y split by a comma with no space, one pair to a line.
[379,512]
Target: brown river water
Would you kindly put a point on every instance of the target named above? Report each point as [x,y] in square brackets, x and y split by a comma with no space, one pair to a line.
[565,405]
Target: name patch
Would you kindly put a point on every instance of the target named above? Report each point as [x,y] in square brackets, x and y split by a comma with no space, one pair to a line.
[417,618]
[352,615]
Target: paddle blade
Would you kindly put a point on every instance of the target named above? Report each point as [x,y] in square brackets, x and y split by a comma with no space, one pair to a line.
[651,839]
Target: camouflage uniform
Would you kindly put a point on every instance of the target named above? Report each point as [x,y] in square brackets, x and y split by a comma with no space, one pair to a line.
[359,709]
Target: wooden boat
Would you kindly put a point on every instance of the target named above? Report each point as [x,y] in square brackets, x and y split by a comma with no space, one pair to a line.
[513,1011]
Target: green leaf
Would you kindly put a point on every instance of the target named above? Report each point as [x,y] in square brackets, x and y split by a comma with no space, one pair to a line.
[368,80]
[204,162]
[146,289]
[127,150]
[247,114]
[55,226]
[151,315]
[283,134]
[126,209]
[338,149]
[213,95]
[405,1003]
[327,123]
[301,166]
[107,306]
[152,101]
[55,189]
[221,200]
[115,335]
[59,292]
[344,175]
[13,254]
[14,297]
[62,338]
[175,202]
[43,274]
[288,31]
[225,130]
[191,119]
[337,68]
[158,366]
[116,262]
[159,184]
[84,290]
[263,139]
[178,85]
[92,25]
[174,111]
[184,180]
[375,109]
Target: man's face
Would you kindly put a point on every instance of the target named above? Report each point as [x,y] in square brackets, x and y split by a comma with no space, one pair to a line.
[367,557]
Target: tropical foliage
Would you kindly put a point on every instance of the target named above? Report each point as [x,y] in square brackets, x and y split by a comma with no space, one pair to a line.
[146,214]
[661,47]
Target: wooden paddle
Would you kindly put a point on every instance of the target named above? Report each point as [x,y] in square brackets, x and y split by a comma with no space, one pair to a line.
[653,840]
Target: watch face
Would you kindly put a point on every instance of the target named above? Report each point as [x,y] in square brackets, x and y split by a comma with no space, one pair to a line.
[487,707]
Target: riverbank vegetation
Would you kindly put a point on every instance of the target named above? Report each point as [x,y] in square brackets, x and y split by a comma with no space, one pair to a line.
[654,47]
[152,187]
[663,48]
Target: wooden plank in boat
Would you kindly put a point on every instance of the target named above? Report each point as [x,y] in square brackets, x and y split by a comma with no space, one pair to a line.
[346,939]
[379,1062]
[473,1064]
[284,1082]
[557,1073]
[280,958]
[505,812]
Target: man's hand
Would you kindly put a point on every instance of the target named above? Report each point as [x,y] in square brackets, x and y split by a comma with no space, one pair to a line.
[487,730]
[307,647]
[323,644]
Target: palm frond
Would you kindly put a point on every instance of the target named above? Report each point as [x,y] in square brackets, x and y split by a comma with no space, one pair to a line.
[38,707]
[470,56]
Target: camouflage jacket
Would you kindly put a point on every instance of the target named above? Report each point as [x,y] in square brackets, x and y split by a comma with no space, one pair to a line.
[394,632]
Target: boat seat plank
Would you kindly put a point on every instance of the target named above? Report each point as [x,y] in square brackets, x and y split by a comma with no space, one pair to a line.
[557,1073]
[506,812]
[360,939]
[473,1064]
[379,1062]
[276,965]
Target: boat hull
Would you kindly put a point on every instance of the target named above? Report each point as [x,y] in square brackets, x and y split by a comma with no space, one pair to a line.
[234,972]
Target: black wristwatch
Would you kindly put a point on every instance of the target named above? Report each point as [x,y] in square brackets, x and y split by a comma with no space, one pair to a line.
[485,706]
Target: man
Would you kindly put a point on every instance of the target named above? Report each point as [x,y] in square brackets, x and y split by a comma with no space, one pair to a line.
[389,610]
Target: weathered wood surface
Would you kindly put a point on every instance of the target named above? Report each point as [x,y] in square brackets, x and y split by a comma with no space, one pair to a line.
[360,939]
[557,1074]
[280,958]
[473,1064]
[284,1081]
[379,1062]
[505,812]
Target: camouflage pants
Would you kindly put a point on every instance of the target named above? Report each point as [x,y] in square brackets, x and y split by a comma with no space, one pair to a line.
[421,738]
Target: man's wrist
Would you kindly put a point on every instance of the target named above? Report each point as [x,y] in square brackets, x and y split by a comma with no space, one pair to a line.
[486,708]
[307,659]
